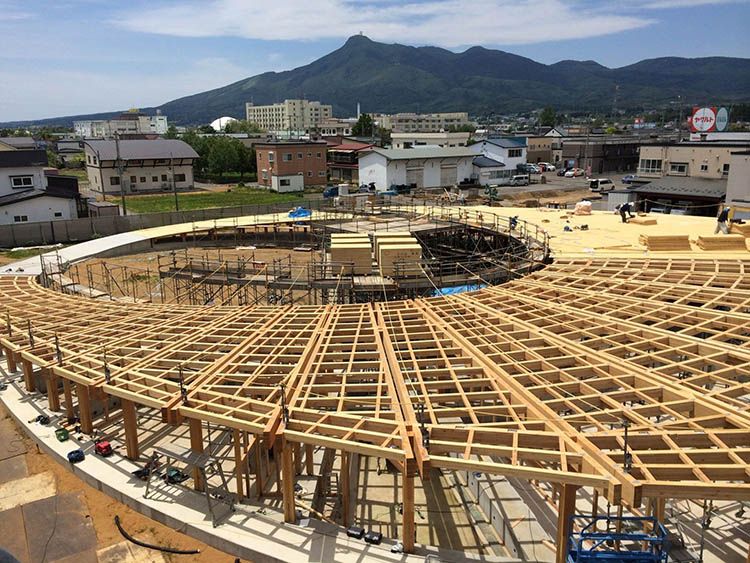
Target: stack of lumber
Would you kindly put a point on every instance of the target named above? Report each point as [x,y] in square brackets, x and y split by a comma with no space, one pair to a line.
[665,242]
[395,253]
[642,220]
[740,229]
[379,237]
[352,249]
[722,242]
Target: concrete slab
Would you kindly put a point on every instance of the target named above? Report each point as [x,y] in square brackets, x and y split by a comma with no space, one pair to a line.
[15,542]
[130,553]
[11,442]
[26,490]
[13,468]
[58,528]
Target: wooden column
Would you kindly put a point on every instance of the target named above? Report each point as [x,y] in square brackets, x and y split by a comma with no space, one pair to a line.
[68,394]
[309,461]
[345,484]
[10,357]
[84,408]
[660,509]
[196,444]
[566,507]
[278,449]
[28,375]
[259,474]
[239,470]
[297,458]
[408,515]
[53,392]
[130,420]
[287,481]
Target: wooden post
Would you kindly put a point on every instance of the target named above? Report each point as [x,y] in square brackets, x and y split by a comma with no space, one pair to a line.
[259,474]
[196,444]
[53,393]
[345,484]
[660,509]
[130,420]
[297,458]
[565,509]
[238,465]
[309,461]
[84,408]
[10,357]
[408,515]
[28,375]
[287,490]
[278,448]
[68,394]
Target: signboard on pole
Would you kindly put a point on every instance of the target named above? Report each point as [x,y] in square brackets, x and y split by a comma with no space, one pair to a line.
[709,119]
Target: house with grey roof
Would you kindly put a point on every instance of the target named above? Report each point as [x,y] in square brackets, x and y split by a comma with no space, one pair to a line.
[511,151]
[673,195]
[135,166]
[421,167]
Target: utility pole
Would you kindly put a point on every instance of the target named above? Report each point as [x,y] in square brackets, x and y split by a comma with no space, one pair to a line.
[119,172]
[174,184]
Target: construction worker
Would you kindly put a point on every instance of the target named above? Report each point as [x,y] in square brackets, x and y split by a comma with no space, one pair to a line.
[721,221]
[624,208]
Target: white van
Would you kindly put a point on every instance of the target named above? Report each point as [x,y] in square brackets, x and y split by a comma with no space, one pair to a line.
[520,180]
[601,185]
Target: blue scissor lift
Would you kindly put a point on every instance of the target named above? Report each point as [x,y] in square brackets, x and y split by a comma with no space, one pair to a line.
[597,539]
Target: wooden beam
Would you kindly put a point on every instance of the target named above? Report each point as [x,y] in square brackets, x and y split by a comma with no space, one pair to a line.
[130,421]
[345,486]
[53,392]
[287,489]
[10,358]
[566,507]
[260,476]
[309,459]
[68,395]
[408,529]
[196,444]
[84,408]
[297,458]
[28,375]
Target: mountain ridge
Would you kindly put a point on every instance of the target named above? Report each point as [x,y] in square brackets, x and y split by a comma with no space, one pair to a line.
[402,78]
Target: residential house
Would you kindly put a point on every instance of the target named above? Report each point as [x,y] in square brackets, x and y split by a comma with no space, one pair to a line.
[17,143]
[291,165]
[489,171]
[601,154]
[442,139]
[147,165]
[539,148]
[28,194]
[126,124]
[343,160]
[511,151]
[673,195]
[422,167]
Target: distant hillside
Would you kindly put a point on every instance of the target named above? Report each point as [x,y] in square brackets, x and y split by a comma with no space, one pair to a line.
[396,78]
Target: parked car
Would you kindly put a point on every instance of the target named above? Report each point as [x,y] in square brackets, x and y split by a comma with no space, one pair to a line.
[601,185]
[574,173]
[533,169]
[520,180]
[562,171]
[629,179]
[546,166]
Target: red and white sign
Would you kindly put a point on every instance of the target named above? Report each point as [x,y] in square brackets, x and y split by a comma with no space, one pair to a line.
[703,120]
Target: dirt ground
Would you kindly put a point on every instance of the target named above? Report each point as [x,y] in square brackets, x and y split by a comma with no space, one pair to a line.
[102,510]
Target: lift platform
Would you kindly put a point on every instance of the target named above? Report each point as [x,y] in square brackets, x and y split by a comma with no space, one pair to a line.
[607,539]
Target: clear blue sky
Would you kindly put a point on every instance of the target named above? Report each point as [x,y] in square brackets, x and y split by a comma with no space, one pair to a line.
[64,57]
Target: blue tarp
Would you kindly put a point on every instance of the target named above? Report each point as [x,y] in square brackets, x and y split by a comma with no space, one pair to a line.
[457,289]
[299,213]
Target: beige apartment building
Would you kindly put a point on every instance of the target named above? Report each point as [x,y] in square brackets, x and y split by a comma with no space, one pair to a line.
[147,165]
[289,115]
[700,159]
[422,122]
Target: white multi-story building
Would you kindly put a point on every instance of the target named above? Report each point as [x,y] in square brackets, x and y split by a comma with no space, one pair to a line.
[422,122]
[293,115]
[444,139]
[130,123]
[511,151]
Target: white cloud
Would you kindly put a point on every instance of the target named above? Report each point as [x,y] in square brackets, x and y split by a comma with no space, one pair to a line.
[448,23]
[77,92]
[668,4]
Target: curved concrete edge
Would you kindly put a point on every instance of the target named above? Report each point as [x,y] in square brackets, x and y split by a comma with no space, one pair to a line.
[245,533]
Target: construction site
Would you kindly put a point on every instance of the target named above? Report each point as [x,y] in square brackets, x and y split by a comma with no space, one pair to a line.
[403,384]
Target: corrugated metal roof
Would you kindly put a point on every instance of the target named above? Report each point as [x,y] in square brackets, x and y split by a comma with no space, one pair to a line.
[21,158]
[28,194]
[423,152]
[487,162]
[684,186]
[141,149]
[507,142]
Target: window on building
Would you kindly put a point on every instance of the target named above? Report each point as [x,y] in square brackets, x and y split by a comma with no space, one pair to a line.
[133,179]
[285,182]
[58,213]
[321,173]
[88,158]
[21,182]
[114,181]
[515,153]
[163,177]
[94,159]
[287,157]
[270,156]
[179,177]
[154,179]
[20,218]
[265,175]
[161,161]
[320,155]
[309,155]
[704,167]
[678,168]
[309,173]
[725,170]
[143,179]
[650,165]
[299,155]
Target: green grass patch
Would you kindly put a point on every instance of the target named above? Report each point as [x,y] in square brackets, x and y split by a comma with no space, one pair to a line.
[21,253]
[203,200]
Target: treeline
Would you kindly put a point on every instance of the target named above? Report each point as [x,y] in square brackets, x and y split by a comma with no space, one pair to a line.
[221,158]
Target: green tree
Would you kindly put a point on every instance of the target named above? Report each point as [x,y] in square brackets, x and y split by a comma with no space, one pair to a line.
[246,162]
[364,126]
[171,132]
[547,117]
[243,126]
[224,155]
